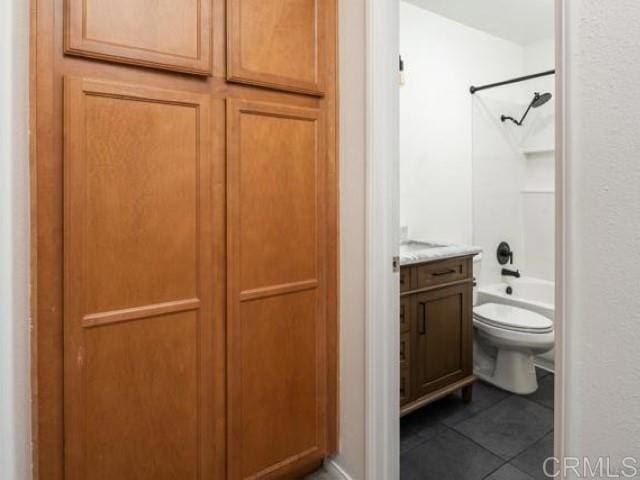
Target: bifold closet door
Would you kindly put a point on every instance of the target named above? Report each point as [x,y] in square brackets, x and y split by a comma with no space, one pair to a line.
[277,373]
[138,283]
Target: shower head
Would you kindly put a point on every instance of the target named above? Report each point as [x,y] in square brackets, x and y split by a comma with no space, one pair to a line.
[538,100]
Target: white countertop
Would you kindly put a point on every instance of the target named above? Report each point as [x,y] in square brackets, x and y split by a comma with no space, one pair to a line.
[419,251]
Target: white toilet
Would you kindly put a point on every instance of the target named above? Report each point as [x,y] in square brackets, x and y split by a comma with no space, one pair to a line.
[506,339]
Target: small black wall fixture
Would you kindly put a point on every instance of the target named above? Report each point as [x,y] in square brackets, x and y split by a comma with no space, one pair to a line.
[537,101]
[504,253]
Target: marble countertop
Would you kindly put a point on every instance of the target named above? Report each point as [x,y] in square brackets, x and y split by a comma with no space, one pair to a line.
[419,251]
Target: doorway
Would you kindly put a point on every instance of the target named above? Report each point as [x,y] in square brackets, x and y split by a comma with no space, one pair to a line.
[553,188]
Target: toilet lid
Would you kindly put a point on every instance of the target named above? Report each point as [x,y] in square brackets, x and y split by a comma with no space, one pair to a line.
[512,318]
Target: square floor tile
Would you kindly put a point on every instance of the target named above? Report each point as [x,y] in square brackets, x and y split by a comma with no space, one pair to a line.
[484,396]
[448,456]
[544,394]
[508,472]
[508,427]
[532,459]
[419,426]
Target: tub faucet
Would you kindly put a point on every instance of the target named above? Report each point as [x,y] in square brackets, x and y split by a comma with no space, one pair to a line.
[510,273]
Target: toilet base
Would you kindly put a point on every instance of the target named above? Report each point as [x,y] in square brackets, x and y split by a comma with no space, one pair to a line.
[512,370]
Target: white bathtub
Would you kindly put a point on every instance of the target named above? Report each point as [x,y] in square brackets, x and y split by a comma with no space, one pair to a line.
[531,293]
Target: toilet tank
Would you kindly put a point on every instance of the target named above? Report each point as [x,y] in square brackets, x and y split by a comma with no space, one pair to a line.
[477,264]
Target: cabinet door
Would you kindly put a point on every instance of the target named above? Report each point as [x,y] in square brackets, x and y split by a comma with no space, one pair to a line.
[138,290]
[277,289]
[277,43]
[405,386]
[405,278]
[167,34]
[405,314]
[442,338]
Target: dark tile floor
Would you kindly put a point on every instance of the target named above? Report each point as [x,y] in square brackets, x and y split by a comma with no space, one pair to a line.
[498,436]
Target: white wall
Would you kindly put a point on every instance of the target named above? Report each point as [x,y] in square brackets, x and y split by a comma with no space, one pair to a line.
[538,198]
[602,250]
[498,175]
[464,177]
[442,60]
[15,455]
[351,458]
[513,173]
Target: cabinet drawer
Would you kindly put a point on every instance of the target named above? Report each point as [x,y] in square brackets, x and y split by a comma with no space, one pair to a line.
[405,279]
[405,350]
[405,313]
[446,271]
[405,386]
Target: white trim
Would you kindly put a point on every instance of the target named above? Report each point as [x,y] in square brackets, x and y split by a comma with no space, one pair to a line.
[331,466]
[382,427]
[382,369]
[561,126]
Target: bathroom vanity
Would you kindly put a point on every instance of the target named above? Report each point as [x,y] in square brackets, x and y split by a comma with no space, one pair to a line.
[436,324]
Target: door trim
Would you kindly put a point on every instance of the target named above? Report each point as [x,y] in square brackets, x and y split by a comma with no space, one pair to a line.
[382,301]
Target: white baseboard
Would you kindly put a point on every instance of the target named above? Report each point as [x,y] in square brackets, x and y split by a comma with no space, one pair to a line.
[331,466]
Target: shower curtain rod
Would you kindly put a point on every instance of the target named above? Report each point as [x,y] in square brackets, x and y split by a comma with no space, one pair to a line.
[473,89]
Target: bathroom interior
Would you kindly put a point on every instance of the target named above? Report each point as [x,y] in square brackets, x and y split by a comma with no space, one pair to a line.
[477,213]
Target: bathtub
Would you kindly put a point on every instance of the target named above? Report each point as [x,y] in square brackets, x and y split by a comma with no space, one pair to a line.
[530,293]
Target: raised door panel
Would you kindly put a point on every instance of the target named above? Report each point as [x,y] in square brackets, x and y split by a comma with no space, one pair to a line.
[276,291]
[443,335]
[167,34]
[138,321]
[277,43]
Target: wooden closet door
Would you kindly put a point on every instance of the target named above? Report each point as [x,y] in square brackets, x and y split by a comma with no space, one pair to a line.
[277,43]
[276,292]
[138,321]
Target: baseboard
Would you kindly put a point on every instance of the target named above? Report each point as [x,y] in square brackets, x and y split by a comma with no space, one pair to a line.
[331,466]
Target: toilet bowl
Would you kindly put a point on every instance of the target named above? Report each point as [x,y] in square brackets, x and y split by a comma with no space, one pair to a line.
[506,341]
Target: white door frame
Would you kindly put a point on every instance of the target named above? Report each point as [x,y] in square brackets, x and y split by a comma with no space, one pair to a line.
[382,425]
[382,454]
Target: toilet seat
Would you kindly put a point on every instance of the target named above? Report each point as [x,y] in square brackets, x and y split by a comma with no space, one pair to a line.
[511,318]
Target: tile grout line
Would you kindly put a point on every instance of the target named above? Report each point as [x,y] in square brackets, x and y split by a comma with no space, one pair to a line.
[494,471]
[521,451]
[477,444]
[511,395]
[450,427]
[441,424]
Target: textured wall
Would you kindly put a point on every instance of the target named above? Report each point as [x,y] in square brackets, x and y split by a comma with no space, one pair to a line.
[603,237]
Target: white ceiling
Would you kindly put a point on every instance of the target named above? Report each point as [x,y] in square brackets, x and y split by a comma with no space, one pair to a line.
[520,21]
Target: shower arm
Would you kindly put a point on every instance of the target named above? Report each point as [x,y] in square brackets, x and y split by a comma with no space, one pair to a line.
[519,123]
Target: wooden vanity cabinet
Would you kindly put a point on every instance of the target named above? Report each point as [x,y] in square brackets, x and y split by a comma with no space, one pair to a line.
[436,332]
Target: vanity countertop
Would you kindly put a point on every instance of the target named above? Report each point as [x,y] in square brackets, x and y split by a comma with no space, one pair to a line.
[420,251]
